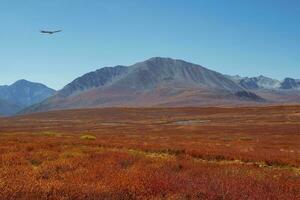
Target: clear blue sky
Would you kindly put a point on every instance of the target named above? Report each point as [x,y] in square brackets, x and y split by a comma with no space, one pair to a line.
[230,36]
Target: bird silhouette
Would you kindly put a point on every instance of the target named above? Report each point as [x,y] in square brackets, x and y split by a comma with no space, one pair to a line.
[50,32]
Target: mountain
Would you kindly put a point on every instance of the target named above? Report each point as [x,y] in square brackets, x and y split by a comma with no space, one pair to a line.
[7,108]
[260,82]
[22,94]
[235,78]
[154,82]
[266,83]
[274,91]
[290,83]
[95,79]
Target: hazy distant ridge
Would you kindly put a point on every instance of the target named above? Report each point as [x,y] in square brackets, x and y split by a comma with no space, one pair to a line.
[263,82]
[22,94]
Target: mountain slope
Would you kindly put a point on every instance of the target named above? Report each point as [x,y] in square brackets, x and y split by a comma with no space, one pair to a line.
[98,78]
[154,82]
[275,91]
[7,108]
[260,82]
[290,83]
[22,94]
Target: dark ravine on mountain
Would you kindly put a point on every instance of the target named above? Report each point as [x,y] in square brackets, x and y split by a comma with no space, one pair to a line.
[157,82]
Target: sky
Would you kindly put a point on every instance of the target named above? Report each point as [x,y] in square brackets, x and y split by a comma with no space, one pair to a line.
[248,38]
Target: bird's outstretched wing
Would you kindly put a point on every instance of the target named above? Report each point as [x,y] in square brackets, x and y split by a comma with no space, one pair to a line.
[50,32]
[44,31]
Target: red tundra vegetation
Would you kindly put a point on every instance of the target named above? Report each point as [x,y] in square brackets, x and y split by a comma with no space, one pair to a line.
[152,153]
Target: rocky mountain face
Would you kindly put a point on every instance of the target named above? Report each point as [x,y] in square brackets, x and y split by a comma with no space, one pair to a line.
[22,94]
[98,78]
[149,74]
[154,82]
[262,82]
[272,90]
[290,83]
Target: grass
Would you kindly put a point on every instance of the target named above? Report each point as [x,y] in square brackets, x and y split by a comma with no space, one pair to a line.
[134,174]
[246,139]
[51,134]
[244,158]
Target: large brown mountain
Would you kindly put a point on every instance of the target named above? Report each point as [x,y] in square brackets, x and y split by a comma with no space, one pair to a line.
[154,82]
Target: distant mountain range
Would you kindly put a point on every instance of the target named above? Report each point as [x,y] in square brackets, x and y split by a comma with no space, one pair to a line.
[154,82]
[274,91]
[161,82]
[262,82]
[22,94]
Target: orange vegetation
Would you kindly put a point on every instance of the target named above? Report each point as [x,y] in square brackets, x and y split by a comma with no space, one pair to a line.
[152,153]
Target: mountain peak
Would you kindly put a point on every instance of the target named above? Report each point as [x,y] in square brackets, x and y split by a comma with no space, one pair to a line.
[22,82]
[263,77]
[159,59]
[21,94]
[167,60]
[260,82]
[290,83]
[156,61]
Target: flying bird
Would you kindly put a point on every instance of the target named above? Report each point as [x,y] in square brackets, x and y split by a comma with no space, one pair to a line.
[50,32]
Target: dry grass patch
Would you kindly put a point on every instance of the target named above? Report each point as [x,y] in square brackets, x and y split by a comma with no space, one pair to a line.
[88,137]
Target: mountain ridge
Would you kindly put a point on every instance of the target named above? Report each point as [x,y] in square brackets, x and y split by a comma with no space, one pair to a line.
[156,81]
[22,94]
[263,82]
[162,81]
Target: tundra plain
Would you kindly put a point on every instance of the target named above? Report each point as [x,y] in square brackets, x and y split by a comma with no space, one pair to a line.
[152,153]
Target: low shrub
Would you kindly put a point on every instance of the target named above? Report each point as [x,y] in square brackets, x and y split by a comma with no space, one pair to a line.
[88,137]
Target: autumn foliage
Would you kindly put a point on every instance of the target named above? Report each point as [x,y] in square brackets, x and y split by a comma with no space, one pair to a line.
[170,153]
